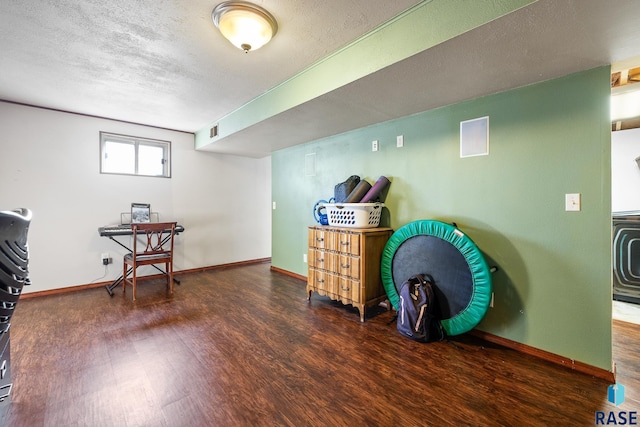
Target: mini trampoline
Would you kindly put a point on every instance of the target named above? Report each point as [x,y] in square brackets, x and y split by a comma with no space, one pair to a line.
[459,271]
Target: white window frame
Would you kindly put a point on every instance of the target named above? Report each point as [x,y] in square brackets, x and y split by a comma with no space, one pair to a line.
[136,142]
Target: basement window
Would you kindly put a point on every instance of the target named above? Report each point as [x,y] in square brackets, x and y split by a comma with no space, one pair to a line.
[130,155]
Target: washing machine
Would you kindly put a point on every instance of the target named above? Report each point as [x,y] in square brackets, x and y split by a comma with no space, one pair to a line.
[626,256]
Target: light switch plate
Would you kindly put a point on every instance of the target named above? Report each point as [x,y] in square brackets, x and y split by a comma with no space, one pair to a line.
[572,202]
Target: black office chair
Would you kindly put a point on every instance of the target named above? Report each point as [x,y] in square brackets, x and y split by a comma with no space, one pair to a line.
[14,261]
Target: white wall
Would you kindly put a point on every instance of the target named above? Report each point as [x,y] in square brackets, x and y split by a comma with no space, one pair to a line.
[49,163]
[625,174]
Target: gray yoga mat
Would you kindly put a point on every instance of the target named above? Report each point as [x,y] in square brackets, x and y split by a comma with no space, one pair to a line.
[358,193]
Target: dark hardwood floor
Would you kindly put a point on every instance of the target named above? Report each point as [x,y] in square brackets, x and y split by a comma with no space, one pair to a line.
[241,346]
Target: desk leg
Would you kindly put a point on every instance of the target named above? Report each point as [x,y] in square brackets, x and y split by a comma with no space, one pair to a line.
[111,286]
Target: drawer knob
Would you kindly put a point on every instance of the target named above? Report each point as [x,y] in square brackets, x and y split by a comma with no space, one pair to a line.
[344,288]
[345,243]
[345,265]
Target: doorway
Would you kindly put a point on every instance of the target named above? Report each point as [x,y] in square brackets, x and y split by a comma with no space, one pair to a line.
[625,189]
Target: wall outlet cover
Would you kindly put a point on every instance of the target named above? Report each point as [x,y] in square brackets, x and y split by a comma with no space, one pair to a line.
[572,202]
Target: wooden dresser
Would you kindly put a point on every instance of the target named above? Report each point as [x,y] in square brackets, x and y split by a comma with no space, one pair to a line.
[344,264]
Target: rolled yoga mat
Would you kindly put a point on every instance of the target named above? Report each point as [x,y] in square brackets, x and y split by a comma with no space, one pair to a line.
[342,190]
[356,195]
[375,191]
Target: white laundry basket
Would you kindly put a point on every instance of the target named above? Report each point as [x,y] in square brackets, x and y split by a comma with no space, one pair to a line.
[354,215]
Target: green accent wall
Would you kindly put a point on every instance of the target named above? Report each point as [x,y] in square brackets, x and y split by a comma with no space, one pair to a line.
[553,286]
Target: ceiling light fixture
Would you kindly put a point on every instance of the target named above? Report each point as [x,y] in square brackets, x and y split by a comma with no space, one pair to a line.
[246,25]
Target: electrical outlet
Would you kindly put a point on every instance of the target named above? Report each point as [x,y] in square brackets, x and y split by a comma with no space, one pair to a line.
[491,303]
[274,206]
[105,258]
[304,258]
[400,141]
[374,145]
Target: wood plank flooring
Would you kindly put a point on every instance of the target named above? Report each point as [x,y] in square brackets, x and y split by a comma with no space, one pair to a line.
[241,346]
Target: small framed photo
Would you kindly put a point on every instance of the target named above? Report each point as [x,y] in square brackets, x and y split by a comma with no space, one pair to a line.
[140,212]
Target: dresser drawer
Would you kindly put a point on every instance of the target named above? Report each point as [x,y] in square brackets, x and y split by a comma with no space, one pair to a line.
[319,280]
[347,265]
[321,259]
[322,239]
[335,240]
[323,283]
[349,289]
[348,243]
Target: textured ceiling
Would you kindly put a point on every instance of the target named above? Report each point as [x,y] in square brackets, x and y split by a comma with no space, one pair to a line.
[163,63]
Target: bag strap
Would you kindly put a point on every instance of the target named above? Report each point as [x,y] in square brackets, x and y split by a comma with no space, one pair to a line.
[393,319]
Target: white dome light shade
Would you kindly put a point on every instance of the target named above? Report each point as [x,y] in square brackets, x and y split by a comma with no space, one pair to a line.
[245,25]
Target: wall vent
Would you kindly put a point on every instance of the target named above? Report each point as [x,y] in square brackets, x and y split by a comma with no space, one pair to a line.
[474,137]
